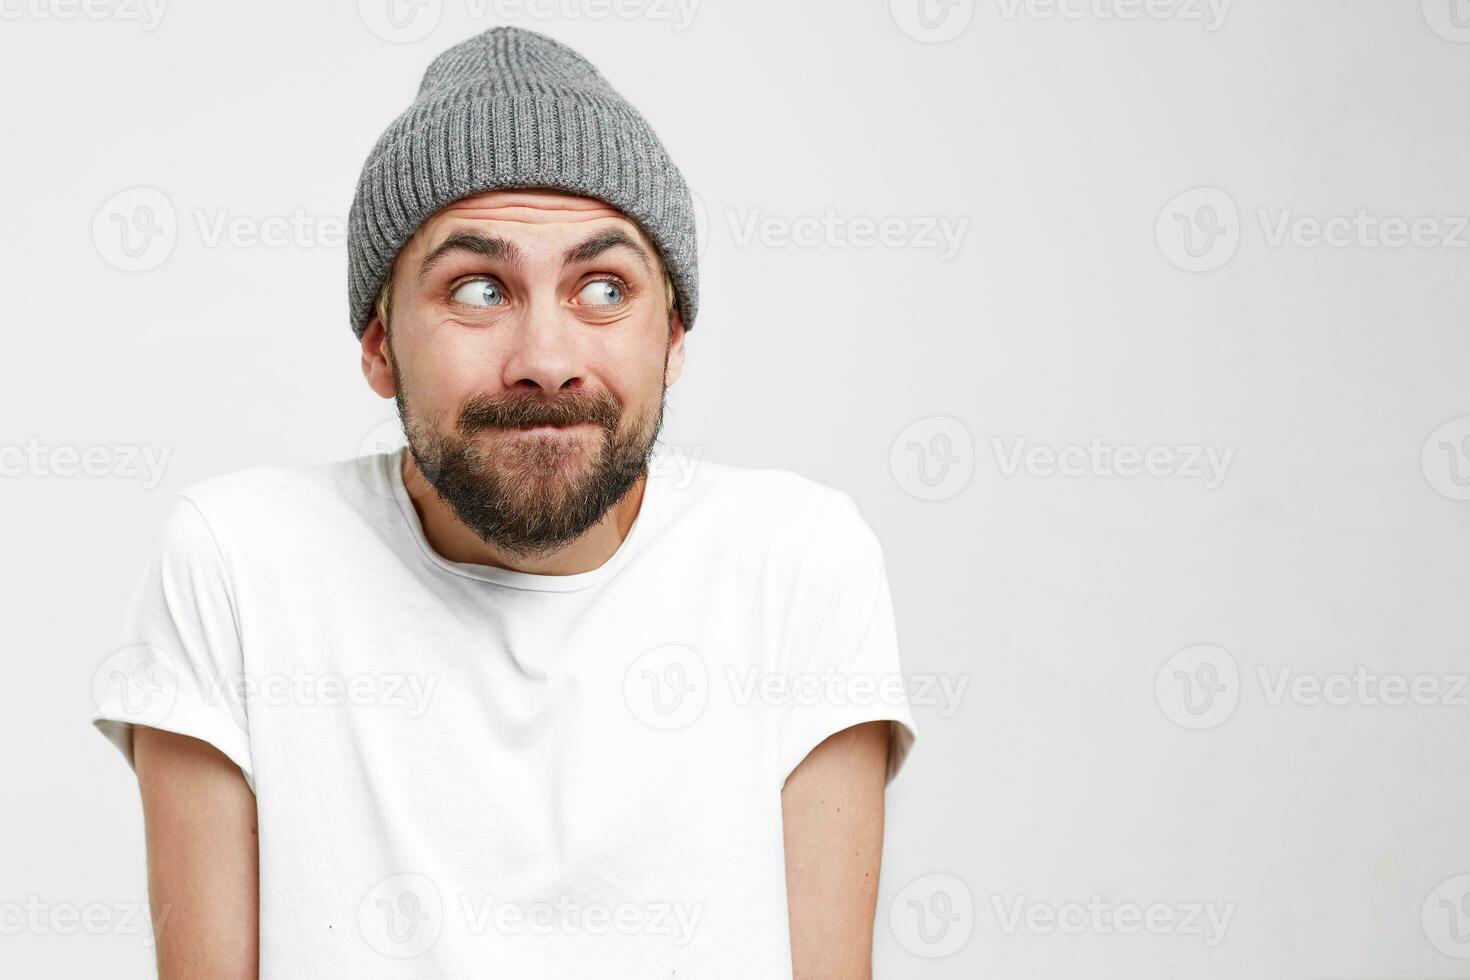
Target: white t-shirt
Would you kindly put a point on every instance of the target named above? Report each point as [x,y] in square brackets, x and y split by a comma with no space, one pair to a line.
[466,771]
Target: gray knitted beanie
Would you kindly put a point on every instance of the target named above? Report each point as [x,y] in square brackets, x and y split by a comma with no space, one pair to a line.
[511,108]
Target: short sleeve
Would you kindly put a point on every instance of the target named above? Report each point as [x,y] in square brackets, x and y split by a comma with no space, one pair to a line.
[180,662]
[844,667]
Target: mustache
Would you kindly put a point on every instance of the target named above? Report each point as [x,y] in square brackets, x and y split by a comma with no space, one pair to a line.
[598,407]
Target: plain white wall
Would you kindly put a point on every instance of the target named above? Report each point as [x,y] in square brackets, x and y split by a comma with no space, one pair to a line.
[1098,240]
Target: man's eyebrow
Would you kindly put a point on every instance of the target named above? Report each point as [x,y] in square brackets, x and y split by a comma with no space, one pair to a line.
[491,248]
[601,242]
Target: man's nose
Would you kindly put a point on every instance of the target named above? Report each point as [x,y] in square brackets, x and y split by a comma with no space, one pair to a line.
[545,351]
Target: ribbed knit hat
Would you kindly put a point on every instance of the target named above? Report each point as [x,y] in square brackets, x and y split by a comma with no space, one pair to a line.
[511,108]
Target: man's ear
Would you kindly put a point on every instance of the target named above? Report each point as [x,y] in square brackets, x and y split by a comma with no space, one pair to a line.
[675,361]
[377,363]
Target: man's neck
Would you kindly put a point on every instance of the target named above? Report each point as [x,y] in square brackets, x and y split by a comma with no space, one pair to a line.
[454,541]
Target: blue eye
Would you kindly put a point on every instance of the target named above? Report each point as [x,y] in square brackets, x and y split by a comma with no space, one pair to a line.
[603,292]
[480,292]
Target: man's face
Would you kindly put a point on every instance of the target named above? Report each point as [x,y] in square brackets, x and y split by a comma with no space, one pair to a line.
[528,348]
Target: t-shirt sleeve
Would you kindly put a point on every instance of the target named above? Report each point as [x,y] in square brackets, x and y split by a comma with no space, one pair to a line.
[180,661]
[844,666]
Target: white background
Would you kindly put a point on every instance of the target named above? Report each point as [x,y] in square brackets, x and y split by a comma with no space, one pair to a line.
[1077,766]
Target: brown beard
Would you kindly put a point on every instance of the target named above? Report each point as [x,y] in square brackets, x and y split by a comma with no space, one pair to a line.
[522,494]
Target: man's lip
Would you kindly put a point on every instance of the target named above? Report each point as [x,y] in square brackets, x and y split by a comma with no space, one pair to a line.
[546,427]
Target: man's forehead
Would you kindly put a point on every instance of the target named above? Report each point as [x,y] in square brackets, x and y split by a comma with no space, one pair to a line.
[525,207]
[488,223]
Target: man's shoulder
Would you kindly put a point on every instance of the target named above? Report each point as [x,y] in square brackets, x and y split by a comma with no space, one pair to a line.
[788,504]
[262,482]
[269,497]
